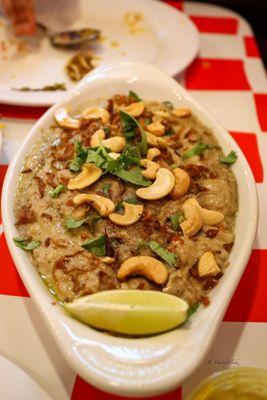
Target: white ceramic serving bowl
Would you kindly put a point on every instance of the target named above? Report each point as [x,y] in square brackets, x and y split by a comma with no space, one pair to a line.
[153,365]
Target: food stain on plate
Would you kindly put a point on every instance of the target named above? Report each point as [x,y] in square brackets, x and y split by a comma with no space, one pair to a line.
[133,22]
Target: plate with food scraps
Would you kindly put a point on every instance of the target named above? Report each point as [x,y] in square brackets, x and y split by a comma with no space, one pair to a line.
[125,210]
[35,72]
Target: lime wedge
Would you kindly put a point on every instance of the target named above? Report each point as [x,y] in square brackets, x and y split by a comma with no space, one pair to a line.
[132,312]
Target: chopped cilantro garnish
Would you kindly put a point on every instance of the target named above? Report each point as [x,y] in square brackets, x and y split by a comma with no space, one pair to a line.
[80,158]
[129,128]
[105,188]
[56,192]
[230,159]
[96,246]
[26,245]
[166,255]
[71,223]
[134,96]
[176,219]
[197,150]
[192,309]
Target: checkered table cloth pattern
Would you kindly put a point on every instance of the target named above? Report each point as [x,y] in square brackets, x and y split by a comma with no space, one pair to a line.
[228,78]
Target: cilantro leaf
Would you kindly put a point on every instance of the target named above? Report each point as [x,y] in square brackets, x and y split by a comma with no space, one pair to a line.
[56,192]
[26,245]
[192,309]
[129,127]
[166,255]
[130,156]
[96,246]
[176,219]
[134,96]
[80,158]
[105,188]
[230,159]
[71,223]
[134,176]
[197,150]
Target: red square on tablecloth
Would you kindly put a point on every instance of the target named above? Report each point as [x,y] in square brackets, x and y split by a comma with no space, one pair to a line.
[3,169]
[249,145]
[84,391]
[261,108]
[176,4]
[249,301]
[227,25]
[216,74]
[10,281]
[251,47]
[10,111]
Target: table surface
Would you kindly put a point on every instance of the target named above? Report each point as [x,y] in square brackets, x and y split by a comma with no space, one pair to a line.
[228,78]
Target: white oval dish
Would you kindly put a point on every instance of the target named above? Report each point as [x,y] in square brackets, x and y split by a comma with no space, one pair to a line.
[148,366]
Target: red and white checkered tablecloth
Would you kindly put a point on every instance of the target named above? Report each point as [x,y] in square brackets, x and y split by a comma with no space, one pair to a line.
[228,78]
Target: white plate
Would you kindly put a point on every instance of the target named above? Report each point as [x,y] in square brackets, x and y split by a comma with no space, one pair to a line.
[169,40]
[137,367]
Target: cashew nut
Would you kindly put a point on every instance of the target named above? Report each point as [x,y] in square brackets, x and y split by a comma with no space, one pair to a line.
[156,141]
[63,119]
[102,205]
[193,219]
[95,138]
[96,113]
[132,213]
[162,113]
[89,175]
[162,186]
[114,155]
[182,183]
[156,127]
[153,153]
[149,267]
[134,109]
[209,217]
[108,260]
[151,169]
[181,112]
[116,143]
[207,265]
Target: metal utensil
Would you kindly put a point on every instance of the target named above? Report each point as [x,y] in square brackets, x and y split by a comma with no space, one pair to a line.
[71,38]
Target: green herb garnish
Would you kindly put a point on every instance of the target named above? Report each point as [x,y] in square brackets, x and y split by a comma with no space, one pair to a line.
[130,200]
[176,219]
[230,159]
[71,223]
[80,158]
[96,246]
[134,96]
[26,245]
[168,104]
[56,192]
[129,127]
[192,309]
[197,150]
[166,255]
[105,188]
[134,176]
[106,130]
